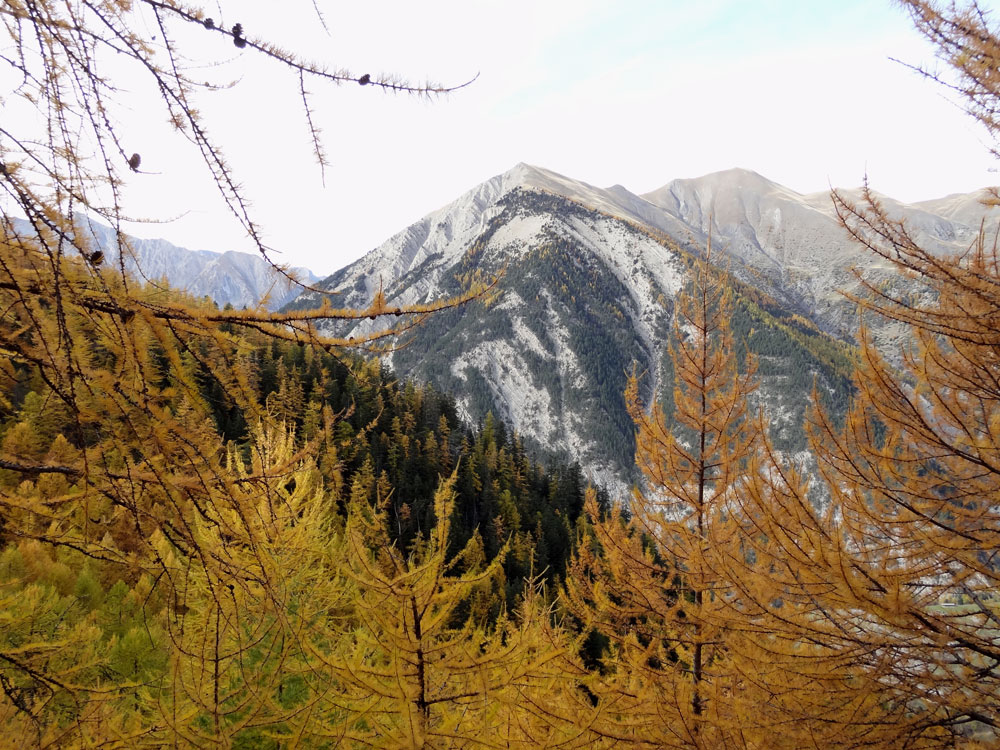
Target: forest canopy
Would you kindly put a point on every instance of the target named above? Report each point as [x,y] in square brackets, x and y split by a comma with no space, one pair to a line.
[220,529]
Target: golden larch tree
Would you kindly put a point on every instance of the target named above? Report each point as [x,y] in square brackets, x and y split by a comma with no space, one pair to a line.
[656,584]
[895,577]
[417,668]
[109,387]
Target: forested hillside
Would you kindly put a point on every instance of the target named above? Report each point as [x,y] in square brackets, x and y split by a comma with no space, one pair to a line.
[106,596]
[221,529]
[393,441]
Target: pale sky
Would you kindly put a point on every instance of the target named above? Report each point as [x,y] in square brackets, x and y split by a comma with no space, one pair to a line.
[631,92]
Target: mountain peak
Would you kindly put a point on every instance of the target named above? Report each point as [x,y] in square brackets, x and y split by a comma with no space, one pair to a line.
[727,181]
[523,169]
[530,176]
[740,175]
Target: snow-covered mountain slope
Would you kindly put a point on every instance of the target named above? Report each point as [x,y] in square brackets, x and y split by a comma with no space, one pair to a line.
[238,279]
[587,293]
[589,280]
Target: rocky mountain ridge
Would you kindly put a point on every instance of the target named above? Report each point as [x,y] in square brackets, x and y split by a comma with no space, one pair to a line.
[228,278]
[789,243]
[590,276]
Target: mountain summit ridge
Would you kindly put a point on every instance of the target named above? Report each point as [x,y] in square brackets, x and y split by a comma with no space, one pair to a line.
[792,241]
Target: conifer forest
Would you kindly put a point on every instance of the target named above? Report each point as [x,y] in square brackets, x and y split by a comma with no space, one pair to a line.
[231,528]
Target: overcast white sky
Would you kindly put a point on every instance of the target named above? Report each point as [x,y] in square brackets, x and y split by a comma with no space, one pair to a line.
[632,92]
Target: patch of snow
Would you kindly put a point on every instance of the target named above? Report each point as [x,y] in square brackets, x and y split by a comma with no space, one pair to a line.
[527,337]
[570,373]
[518,233]
[510,300]
[528,408]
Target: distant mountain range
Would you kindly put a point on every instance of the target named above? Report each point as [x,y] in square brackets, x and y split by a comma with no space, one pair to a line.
[588,286]
[237,279]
